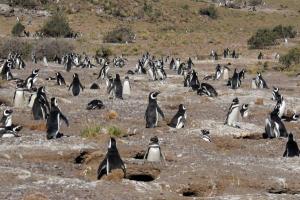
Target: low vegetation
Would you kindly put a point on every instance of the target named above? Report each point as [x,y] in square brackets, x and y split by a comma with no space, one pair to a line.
[104,52]
[119,35]
[57,26]
[114,131]
[94,131]
[210,11]
[18,29]
[268,37]
[291,58]
[17,45]
[255,2]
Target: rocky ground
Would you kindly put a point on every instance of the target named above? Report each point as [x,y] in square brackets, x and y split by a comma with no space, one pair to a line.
[237,164]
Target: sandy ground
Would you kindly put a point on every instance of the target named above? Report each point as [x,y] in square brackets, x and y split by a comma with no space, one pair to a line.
[227,168]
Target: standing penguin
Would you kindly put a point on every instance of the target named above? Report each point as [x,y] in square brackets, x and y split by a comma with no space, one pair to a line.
[126,86]
[152,111]
[31,79]
[69,63]
[76,85]
[218,72]
[178,121]
[40,107]
[60,79]
[235,80]
[291,148]
[275,94]
[281,106]
[274,127]
[225,73]
[19,98]
[153,153]
[260,81]
[194,82]
[45,61]
[117,88]
[233,113]
[111,161]
[244,110]
[53,121]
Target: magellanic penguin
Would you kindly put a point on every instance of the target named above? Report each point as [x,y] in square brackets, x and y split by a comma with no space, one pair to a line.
[235,82]
[194,82]
[178,121]
[275,94]
[207,89]
[293,118]
[218,72]
[112,160]
[244,110]
[117,87]
[274,127]
[153,153]
[225,73]
[104,71]
[152,111]
[205,135]
[45,61]
[30,81]
[233,113]
[260,82]
[291,148]
[19,98]
[95,104]
[53,121]
[281,106]
[6,119]
[126,86]
[6,71]
[60,79]
[7,128]
[76,85]
[40,108]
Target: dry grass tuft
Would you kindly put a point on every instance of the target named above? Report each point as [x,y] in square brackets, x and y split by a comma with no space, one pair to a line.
[111,115]
[259,101]
[41,126]
[36,196]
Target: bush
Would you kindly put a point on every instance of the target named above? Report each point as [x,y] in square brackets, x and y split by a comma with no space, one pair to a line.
[57,26]
[114,131]
[255,2]
[284,31]
[25,3]
[52,47]
[103,52]
[18,29]
[291,58]
[119,35]
[91,131]
[16,45]
[210,11]
[262,39]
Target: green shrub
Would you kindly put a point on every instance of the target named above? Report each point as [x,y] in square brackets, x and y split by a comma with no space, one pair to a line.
[263,38]
[18,29]
[104,52]
[25,3]
[255,2]
[284,31]
[16,45]
[91,131]
[119,35]
[52,47]
[57,26]
[114,131]
[291,58]
[210,11]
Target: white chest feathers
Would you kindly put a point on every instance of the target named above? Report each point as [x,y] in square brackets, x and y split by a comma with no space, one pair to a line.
[126,88]
[19,100]
[154,154]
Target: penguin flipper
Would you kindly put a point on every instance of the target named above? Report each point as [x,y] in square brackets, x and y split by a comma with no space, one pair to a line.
[102,170]
[285,153]
[64,118]
[160,112]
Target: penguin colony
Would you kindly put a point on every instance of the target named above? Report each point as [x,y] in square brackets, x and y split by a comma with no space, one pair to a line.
[154,69]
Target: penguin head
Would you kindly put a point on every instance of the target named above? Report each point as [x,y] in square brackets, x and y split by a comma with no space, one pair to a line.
[205,132]
[112,143]
[126,77]
[57,73]
[17,128]
[54,102]
[154,140]
[182,107]
[295,117]
[7,112]
[245,106]
[35,71]
[235,100]
[41,90]
[258,74]
[153,95]
[275,89]
[75,75]
[291,137]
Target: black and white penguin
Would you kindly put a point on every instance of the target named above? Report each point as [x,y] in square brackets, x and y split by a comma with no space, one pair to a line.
[104,71]
[6,71]
[260,82]
[7,128]
[60,79]
[45,61]
[205,135]
[242,74]
[19,98]
[293,118]
[53,121]
[244,110]
[291,148]
[76,85]
[194,82]
[281,104]
[233,113]
[153,153]
[40,107]
[275,94]
[69,63]
[6,119]
[178,121]
[218,72]
[207,89]
[152,111]
[95,104]
[112,160]
[117,87]
[190,63]
[234,81]
[126,86]
[31,79]
[274,127]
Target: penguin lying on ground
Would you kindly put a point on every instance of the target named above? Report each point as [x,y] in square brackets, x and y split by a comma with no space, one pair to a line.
[292,118]
[95,104]
[291,148]
[112,160]
[178,121]
[153,153]
[205,135]
[207,89]
[152,111]
[53,121]
[8,129]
